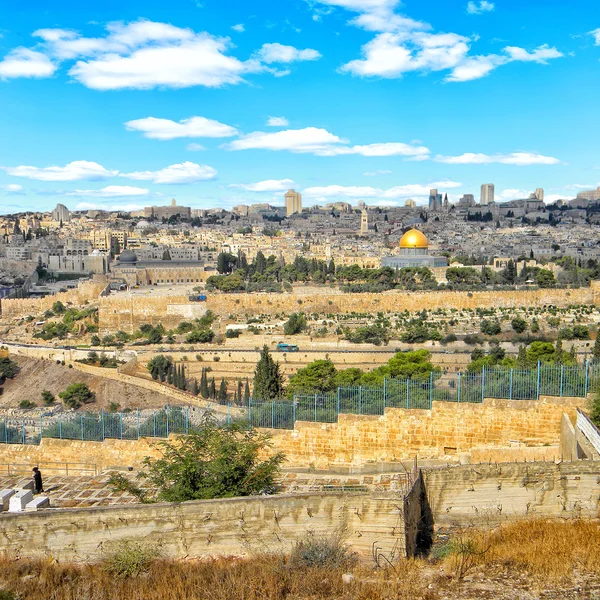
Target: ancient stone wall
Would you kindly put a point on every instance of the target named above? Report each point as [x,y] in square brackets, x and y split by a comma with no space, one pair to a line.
[226,527]
[449,431]
[488,494]
[88,291]
[128,313]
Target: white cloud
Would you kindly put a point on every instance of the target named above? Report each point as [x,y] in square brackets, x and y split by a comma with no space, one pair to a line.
[397,192]
[146,54]
[480,7]
[111,191]
[23,62]
[12,188]
[193,147]
[75,171]
[277,122]
[378,172]
[239,28]
[309,139]
[596,34]
[540,55]
[193,127]
[269,185]
[516,158]
[187,172]
[278,53]
[322,143]
[109,207]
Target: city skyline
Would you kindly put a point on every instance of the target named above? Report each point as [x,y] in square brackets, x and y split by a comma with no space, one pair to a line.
[343,100]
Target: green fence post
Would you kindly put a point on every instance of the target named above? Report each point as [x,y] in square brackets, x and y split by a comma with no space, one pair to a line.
[430,390]
[167,413]
[273,412]
[5,432]
[228,417]
[82,428]
[407,383]
[360,399]
[102,422]
[315,415]
[562,376]
[154,418]
[60,427]
[187,417]
[41,425]
[384,393]
[511,385]
[587,377]
[458,387]
[138,423]
[121,424]
[294,411]
[482,383]
[23,430]
[539,379]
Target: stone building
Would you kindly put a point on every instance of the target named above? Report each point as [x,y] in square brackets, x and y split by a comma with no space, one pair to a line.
[414,252]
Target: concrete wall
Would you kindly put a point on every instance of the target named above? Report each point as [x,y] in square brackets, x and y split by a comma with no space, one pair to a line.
[488,494]
[447,431]
[225,527]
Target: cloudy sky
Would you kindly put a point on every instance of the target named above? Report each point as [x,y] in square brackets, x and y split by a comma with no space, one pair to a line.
[220,102]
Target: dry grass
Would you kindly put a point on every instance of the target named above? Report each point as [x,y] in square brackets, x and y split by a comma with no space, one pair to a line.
[262,578]
[549,551]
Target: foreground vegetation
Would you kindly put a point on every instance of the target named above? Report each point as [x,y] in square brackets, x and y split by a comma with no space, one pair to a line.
[523,560]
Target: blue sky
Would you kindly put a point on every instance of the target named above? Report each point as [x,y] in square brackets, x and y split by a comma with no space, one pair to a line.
[217,103]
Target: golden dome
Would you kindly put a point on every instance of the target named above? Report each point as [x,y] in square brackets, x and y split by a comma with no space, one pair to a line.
[413,239]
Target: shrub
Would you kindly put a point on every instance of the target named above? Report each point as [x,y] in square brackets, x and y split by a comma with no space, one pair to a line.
[473,339]
[489,327]
[130,559]
[233,333]
[200,336]
[519,325]
[326,552]
[451,337]
[295,324]
[25,404]
[48,398]
[77,394]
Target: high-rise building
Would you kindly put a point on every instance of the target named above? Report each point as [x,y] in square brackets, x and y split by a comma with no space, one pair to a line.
[487,194]
[61,213]
[293,202]
[435,200]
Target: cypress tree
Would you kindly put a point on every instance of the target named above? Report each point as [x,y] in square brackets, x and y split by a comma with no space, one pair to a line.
[170,375]
[268,382]
[194,387]
[596,350]
[204,390]
[240,391]
[558,352]
[246,392]
[222,397]
[213,389]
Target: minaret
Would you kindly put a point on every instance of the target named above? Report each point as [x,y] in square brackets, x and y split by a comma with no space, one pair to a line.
[364,222]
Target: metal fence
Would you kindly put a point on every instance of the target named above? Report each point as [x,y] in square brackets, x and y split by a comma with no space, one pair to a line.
[418,393]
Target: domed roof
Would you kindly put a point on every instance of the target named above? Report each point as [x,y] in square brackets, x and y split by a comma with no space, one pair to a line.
[413,238]
[127,256]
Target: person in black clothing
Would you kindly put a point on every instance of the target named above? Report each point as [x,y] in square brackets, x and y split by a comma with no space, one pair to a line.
[37,481]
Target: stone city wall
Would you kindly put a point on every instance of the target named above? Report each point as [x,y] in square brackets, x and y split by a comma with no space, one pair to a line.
[88,291]
[128,313]
[224,527]
[488,494]
[449,431]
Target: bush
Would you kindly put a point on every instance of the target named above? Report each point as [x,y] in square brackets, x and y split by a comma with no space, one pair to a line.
[25,404]
[519,325]
[130,559]
[473,339]
[325,552]
[490,327]
[233,333]
[200,336]
[77,394]
[451,337]
[295,324]
[48,398]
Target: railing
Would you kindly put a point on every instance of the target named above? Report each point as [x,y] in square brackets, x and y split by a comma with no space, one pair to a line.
[589,430]
[420,393]
[49,468]
[416,393]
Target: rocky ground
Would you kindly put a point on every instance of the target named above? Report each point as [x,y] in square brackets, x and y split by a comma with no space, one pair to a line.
[37,375]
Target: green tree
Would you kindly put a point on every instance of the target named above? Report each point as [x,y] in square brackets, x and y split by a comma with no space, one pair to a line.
[595,409]
[222,395]
[268,381]
[212,389]
[596,350]
[204,389]
[58,308]
[519,325]
[160,367]
[489,327]
[295,324]
[316,377]
[246,391]
[77,394]
[200,336]
[48,398]
[8,368]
